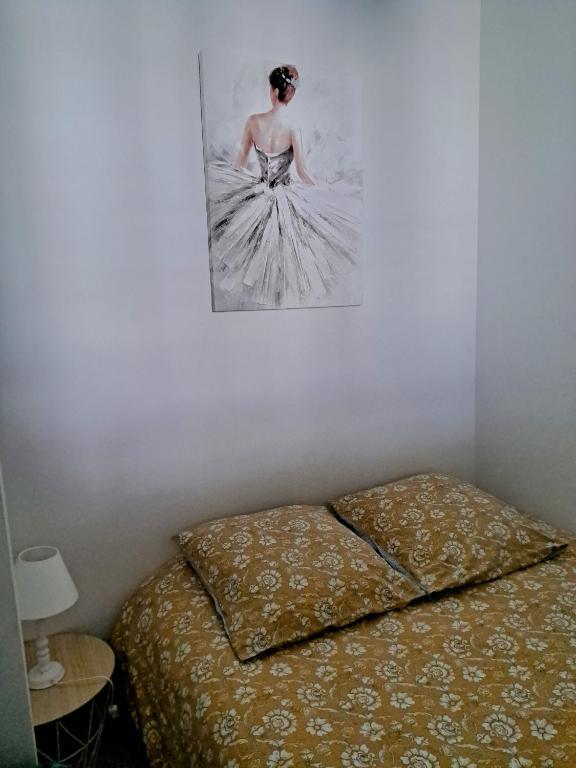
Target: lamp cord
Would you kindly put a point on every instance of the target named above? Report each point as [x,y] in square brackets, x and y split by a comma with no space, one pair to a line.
[85,680]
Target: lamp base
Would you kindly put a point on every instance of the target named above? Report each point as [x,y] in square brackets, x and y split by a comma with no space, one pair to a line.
[45,675]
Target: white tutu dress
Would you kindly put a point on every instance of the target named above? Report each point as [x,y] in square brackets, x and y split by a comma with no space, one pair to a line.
[276,243]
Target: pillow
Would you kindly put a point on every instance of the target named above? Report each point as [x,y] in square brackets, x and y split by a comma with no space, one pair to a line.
[288,573]
[446,532]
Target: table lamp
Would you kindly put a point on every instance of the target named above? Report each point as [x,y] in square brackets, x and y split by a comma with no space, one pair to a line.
[43,588]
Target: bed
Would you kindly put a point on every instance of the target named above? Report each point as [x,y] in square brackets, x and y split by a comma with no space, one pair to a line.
[484,675]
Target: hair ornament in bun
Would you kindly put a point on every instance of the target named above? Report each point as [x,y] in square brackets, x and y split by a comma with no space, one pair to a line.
[292,78]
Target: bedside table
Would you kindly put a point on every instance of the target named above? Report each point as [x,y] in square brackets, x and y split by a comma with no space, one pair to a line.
[69,716]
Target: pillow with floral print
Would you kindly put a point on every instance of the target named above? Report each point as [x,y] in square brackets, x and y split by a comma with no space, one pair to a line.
[446,532]
[288,573]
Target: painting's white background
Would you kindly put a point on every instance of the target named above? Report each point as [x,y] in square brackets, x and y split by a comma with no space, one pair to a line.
[129,409]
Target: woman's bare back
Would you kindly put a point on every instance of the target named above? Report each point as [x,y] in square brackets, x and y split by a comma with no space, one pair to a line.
[270,133]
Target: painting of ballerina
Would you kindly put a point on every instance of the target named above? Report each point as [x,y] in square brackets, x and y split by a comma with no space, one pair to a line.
[283,166]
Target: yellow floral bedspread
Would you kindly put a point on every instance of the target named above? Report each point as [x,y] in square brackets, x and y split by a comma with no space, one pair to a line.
[481,677]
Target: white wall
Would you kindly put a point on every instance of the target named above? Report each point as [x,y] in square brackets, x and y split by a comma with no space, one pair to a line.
[526,429]
[128,408]
[17,749]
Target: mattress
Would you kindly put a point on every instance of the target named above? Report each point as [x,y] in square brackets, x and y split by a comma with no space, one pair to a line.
[482,676]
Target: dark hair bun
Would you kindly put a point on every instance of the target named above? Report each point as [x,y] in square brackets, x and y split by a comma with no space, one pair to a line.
[284,79]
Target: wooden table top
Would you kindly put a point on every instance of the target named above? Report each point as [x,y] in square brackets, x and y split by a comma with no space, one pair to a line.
[82,656]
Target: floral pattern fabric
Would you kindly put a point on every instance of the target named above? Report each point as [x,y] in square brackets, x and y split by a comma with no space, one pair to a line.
[288,573]
[446,532]
[483,677]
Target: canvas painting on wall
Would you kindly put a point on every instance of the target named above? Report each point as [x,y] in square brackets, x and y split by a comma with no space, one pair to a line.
[283,168]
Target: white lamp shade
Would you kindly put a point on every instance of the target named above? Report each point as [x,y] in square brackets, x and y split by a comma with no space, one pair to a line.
[43,585]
